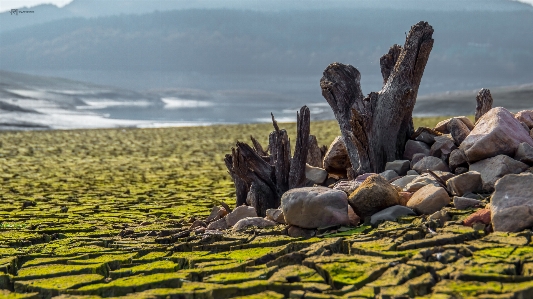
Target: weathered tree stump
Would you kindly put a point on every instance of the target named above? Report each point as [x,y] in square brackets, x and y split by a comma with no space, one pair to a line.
[483,102]
[315,155]
[261,179]
[375,128]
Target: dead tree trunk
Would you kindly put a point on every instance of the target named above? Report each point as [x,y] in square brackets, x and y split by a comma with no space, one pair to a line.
[314,153]
[241,188]
[297,169]
[375,128]
[261,180]
[484,102]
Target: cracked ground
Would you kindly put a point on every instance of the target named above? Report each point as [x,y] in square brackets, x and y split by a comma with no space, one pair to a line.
[106,213]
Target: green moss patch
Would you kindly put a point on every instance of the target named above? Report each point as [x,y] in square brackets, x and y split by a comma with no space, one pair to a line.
[53,260]
[8,265]
[263,295]
[56,270]
[296,273]
[148,268]
[126,285]
[10,295]
[48,287]
[339,274]
[152,257]
[114,261]
[238,277]
[470,289]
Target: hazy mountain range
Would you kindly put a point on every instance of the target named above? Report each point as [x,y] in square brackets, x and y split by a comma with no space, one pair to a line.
[265,54]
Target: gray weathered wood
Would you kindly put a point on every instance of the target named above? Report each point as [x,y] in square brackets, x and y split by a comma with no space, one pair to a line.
[314,153]
[483,102]
[280,155]
[375,128]
[258,147]
[388,61]
[261,180]
[297,167]
[258,176]
[241,188]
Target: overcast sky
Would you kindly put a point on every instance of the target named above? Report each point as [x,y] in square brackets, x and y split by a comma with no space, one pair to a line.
[6,5]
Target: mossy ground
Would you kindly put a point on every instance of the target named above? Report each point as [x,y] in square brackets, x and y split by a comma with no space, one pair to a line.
[94,213]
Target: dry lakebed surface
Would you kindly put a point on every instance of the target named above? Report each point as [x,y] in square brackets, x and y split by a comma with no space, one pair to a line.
[107,213]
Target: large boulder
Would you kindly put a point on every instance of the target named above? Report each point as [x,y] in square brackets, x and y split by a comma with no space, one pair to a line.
[465,183]
[314,207]
[415,147]
[526,116]
[524,153]
[497,132]
[431,163]
[374,195]
[512,203]
[493,169]
[336,159]
[429,199]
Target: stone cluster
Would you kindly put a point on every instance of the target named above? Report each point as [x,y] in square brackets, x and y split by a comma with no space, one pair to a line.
[456,165]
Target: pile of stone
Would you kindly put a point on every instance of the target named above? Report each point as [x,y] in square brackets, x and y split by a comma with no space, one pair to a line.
[456,165]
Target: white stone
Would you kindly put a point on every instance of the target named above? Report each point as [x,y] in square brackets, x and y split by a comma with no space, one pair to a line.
[314,207]
[240,213]
[253,221]
[275,215]
[316,175]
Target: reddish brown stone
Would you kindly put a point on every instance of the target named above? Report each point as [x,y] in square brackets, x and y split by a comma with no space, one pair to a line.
[404,197]
[481,216]
[354,219]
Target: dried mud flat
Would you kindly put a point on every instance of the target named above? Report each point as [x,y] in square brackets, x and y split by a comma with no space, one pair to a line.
[105,213]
